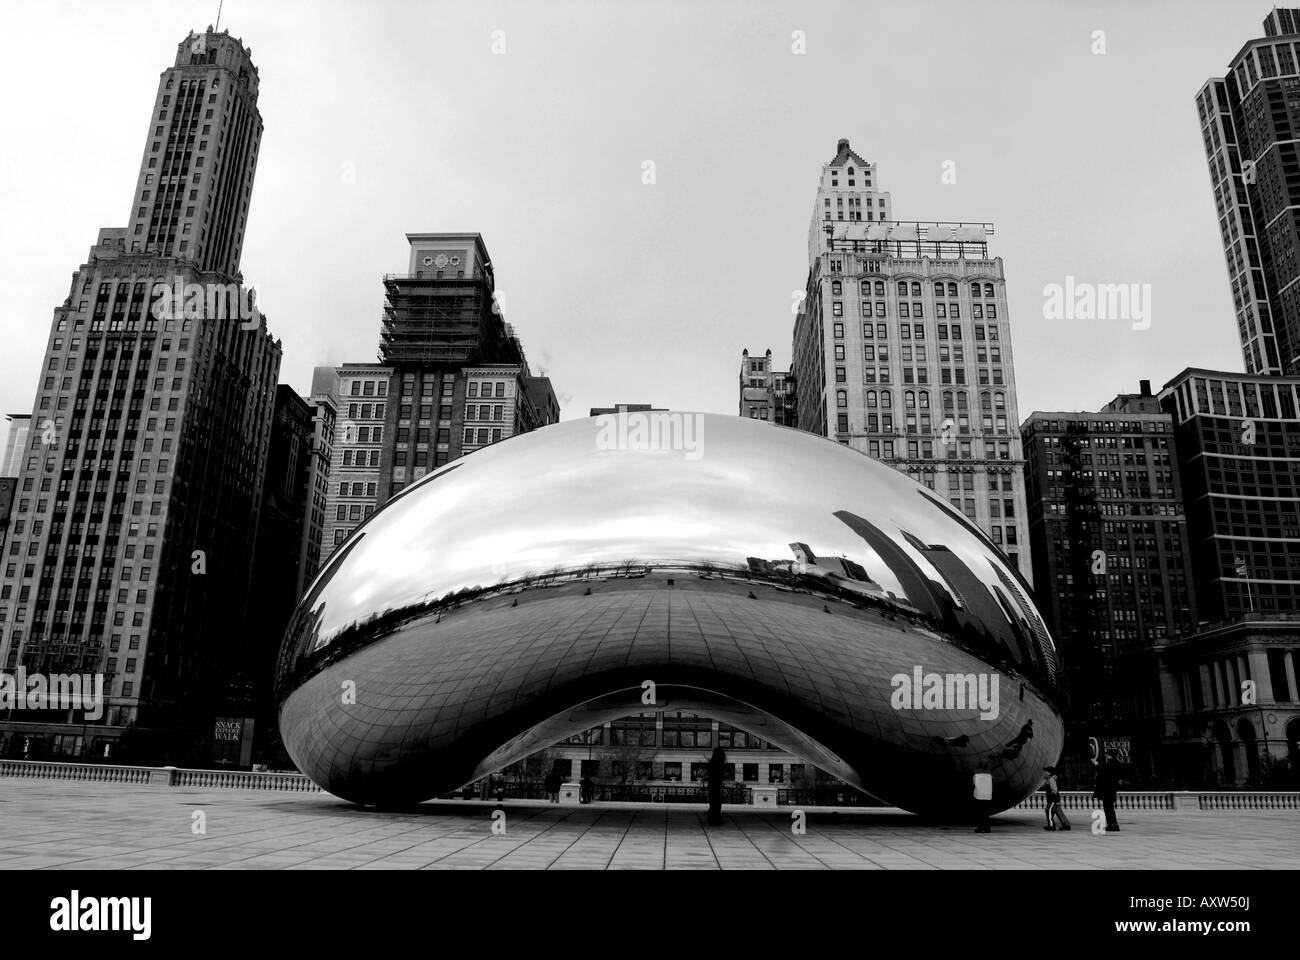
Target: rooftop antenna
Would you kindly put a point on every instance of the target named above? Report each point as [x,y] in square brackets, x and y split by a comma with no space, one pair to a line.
[220,3]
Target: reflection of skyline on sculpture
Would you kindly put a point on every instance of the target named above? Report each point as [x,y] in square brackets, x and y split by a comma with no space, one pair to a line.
[565,506]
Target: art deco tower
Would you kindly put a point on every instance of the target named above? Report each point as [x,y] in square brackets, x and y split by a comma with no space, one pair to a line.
[138,495]
[902,349]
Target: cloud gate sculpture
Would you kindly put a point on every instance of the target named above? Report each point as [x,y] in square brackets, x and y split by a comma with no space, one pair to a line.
[596,568]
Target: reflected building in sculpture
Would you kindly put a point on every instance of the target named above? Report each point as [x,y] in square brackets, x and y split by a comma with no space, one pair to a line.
[479,631]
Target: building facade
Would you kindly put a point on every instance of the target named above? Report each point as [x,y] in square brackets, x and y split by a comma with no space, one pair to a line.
[136,515]
[324,417]
[1217,704]
[452,379]
[359,393]
[15,443]
[765,393]
[1238,442]
[902,350]
[1248,122]
[1111,556]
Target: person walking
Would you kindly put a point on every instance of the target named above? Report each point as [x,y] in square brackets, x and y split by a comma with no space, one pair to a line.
[983,781]
[1107,789]
[1055,813]
[585,788]
[717,767]
[553,782]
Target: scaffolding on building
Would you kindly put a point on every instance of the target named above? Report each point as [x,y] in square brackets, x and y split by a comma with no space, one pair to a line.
[435,321]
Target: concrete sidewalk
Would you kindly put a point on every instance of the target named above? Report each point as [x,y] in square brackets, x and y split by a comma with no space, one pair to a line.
[74,825]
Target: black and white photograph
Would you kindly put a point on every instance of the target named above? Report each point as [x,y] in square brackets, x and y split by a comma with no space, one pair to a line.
[761,439]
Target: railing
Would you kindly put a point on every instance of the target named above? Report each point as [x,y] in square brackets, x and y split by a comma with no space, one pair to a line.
[242,780]
[1083,800]
[101,773]
[1249,800]
[157,776]
[668,793]
[645,793]
[517,790]
[1173,800]
[831,796]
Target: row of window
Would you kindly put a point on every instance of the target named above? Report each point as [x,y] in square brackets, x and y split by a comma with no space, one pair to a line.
[916,311]
[916,331]
[913,288]
[361,458]
[355,511]
[947,376]
[487,389]
[924,449]
[357,489]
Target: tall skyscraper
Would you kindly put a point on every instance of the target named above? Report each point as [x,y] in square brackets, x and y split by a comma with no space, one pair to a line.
[137,513]
[1110,550]
[452,379]
[902,349]
[1249,120]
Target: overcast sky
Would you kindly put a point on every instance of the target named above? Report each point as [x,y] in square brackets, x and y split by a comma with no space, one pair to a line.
[1089,165]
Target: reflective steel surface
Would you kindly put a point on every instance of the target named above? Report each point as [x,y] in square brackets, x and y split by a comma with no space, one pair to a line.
[707,530]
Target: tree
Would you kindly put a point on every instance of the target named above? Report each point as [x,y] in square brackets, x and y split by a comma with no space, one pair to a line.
[626,759]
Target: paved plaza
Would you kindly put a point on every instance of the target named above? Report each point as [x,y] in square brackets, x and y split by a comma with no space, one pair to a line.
[50,824]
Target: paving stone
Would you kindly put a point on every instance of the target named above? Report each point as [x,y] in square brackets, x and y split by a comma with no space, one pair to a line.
[79,826]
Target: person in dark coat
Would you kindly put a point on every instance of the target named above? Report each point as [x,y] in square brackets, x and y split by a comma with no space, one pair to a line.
[983,794]
[553,782]
[1107,789]
[717,769]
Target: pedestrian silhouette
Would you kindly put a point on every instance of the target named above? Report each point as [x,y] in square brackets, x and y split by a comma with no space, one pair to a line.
[716,769]
[983,781]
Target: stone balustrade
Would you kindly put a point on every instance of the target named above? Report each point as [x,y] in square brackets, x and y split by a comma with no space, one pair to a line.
[1174,800]
[1171,800]
[157,776]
